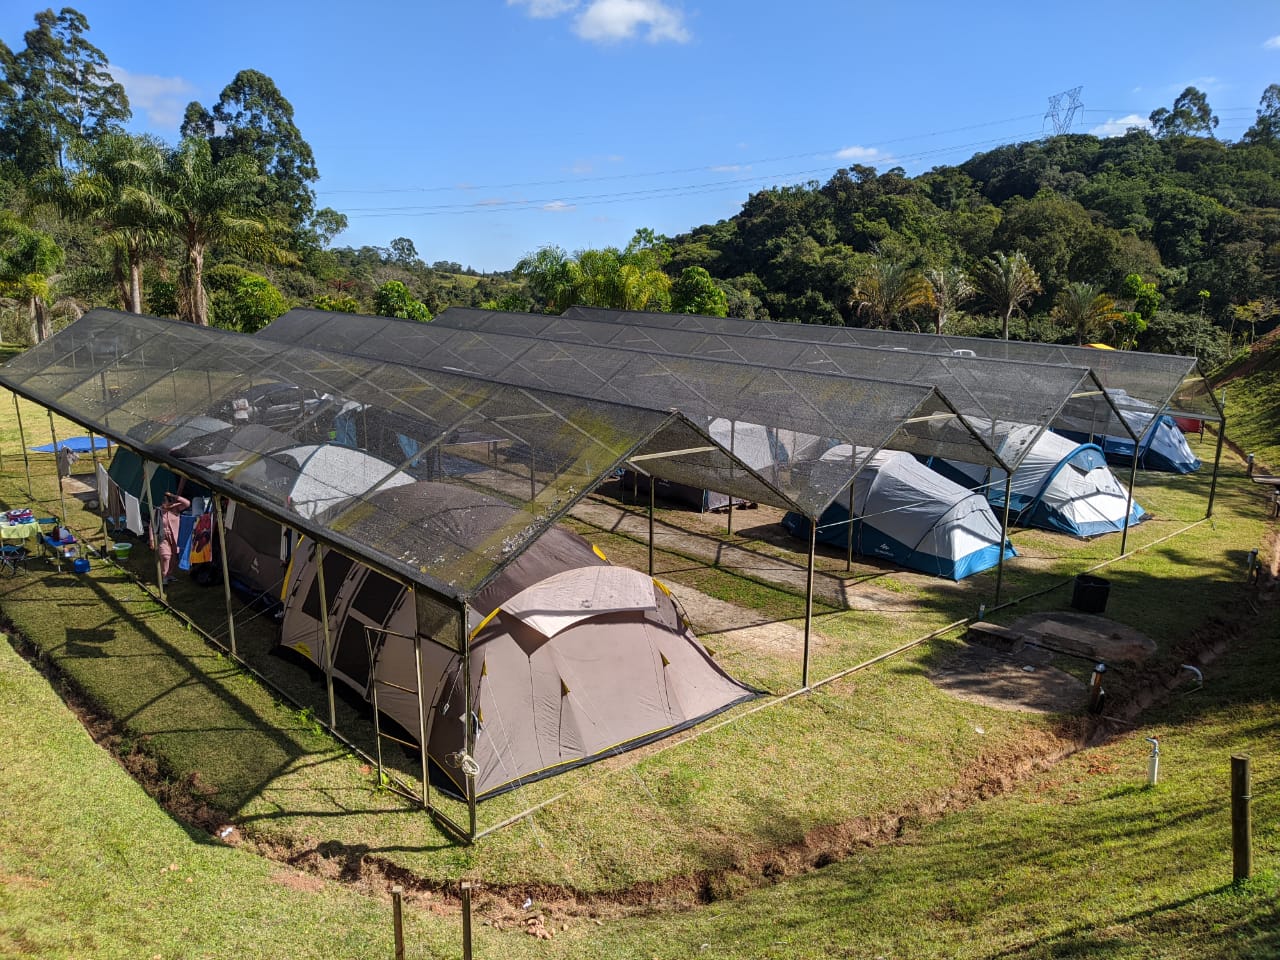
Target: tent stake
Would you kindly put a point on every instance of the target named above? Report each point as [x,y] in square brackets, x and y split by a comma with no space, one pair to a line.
[1128,504]
[652,485]
[1004,534]
[57,468]
[808,601]
[22,438]
[1213,484]
[226,576]
[324,623]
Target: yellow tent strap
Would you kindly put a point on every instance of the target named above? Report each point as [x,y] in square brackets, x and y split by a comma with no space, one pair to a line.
[484,623]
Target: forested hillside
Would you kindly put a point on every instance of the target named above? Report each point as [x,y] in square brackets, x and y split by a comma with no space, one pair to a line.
[1166,238]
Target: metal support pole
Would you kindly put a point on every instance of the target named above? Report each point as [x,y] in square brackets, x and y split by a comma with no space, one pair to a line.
[464,889]
[652,485]
[1004,535]
[151,527]
[848,558]
[397,919]
[328,643]
[808,600]
[1217,461]
[469,726]
[226,575]
[730,526]
[22,438]
[1241,825]
[57,468]
[1128,506]
[422,721]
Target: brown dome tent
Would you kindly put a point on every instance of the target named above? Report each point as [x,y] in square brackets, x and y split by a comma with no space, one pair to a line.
[572,659]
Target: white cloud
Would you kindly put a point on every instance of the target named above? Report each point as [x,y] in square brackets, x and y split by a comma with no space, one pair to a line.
[862,154]
[545,9]
[608,21]
[558,206]
[1273,43]
[162,99]
[1117,127]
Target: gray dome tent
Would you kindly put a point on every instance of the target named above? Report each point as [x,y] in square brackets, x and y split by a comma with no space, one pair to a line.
[572,659]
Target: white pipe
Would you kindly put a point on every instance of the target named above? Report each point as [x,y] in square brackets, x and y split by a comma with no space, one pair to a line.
[1153,764]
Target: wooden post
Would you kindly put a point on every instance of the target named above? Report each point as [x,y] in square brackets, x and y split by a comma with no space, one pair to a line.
[1217,462]
[1004,536]
[469,732]
[1241,827]
[422,720]
[57,468]
[22,439]
[1128,504]
[151,528]
[652,485]
[464,889]
[808,600]
[397,919]
[328,640]
[226,575]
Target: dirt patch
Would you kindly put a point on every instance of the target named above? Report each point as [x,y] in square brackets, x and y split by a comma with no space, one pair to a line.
[1007,681]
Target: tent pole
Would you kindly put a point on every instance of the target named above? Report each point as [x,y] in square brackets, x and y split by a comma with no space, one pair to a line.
[1128,505]
[324,624]
[848,559]
[422,721]
[468,726]
[1004,535]
[533,481]
[652,485]
[733,432]
[226,576]
[151,527]
[808,601]
[1213,484]
[729,531]
[57,468]
[93,449]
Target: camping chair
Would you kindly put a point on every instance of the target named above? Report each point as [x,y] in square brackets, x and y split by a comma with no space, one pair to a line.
[11,558]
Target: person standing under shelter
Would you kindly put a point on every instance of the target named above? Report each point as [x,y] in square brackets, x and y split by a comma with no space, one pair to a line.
[167,533]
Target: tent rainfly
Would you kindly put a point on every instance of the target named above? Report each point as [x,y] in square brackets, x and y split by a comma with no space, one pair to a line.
[1060,485]
[576,659]
[912,516]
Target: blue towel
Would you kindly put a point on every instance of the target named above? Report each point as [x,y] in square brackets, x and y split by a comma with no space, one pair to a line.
[186,526]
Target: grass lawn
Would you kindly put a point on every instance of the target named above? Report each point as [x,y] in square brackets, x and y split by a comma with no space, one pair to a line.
[715,804]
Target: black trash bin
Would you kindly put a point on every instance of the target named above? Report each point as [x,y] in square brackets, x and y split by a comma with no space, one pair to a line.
[1090,593]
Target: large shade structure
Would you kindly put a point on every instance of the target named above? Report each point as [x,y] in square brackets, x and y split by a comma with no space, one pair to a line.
[145,382]
[1164,383]
[801,411]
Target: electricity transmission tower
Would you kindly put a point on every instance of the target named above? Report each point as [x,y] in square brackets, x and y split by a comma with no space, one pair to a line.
[1063,108]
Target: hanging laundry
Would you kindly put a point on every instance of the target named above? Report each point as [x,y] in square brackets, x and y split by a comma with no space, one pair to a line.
[132,514]
[104,487]
[186,531]
[202,540]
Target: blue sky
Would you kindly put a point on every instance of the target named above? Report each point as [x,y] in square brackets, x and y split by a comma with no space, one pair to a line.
[483,129]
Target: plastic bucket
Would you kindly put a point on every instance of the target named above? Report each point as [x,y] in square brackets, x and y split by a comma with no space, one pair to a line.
[122,550]
[1090,593]
[81,565]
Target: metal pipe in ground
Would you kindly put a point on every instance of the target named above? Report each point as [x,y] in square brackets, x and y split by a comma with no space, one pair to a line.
[22,439]
[1241,822]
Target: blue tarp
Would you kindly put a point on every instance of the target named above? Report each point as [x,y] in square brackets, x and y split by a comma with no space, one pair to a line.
[78,444]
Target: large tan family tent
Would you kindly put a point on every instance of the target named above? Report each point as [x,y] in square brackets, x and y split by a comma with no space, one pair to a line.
[576,658]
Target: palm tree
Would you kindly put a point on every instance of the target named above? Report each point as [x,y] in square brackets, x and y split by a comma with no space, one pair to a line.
[1086,308]
[29,260]
[951,287]
[1008,281]
[886,287]
[551,277]
[205,204]
[115,187]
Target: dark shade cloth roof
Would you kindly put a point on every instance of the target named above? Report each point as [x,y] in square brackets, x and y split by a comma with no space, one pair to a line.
[988,392]
[142,381]
[1164,380]
[806,413]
